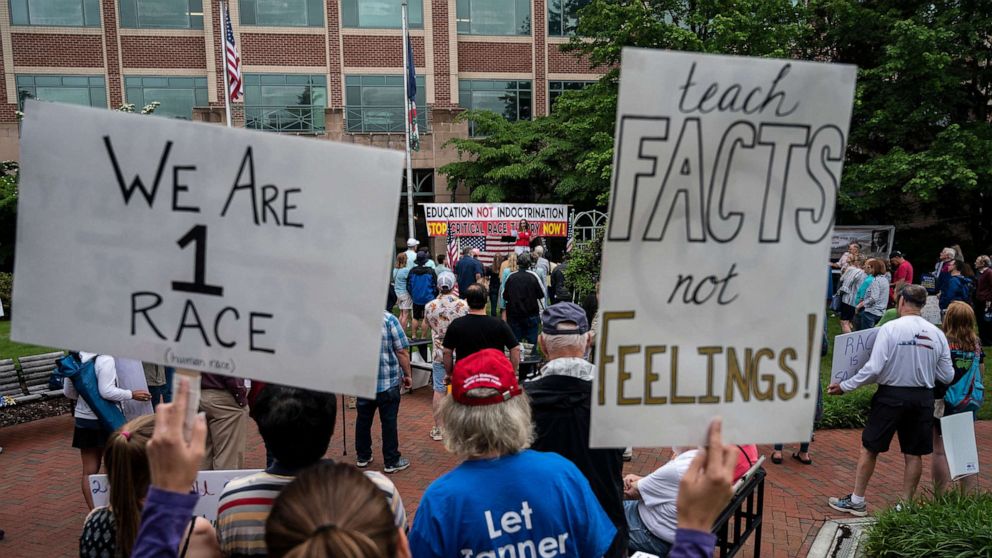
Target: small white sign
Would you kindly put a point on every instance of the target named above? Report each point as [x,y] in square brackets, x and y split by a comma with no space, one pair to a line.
[960,446]
[725,177]
[208,486]
[851,352]
[197,246]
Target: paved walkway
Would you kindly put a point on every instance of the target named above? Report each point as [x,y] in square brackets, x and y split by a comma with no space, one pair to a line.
[42,510]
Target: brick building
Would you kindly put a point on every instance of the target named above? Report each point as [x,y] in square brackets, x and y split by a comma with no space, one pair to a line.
[324,68]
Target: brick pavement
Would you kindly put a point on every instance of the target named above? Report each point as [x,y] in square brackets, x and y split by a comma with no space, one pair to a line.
[41,508]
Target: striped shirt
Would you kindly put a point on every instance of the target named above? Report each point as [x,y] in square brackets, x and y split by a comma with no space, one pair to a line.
[246,502]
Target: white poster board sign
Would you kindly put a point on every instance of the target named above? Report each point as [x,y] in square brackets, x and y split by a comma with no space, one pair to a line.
[202,247]
[208,486]
[851,352]
[960,445]
[931,310]
[725,178]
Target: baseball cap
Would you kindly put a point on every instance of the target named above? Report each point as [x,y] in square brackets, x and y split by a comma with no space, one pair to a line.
[412,242]
[487,368]
[422,257]
[564,312]
[446,281]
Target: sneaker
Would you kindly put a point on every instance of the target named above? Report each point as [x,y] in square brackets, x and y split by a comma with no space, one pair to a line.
[847,506]
[628,454]
[363,463]
[436,434]
[403,463]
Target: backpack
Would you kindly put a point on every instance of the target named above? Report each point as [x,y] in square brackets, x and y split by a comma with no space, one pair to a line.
[83,377]
[968,393]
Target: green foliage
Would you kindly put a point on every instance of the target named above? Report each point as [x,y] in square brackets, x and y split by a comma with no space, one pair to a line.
[6,287]
[952,525]
[8,216]
[582,271]
[147,109]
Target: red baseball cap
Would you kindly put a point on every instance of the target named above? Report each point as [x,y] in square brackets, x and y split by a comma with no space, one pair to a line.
[487,368]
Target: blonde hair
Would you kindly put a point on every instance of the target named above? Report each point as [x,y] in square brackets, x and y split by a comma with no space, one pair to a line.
[959,325]
[476,431]
[512,261]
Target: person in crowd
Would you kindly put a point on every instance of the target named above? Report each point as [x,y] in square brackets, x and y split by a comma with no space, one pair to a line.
[131,376]
[560,402]
[559,291]
[955,286]
[522,236]
[802,455]
[403,299]
[224,400]
[296,426]
[476,331]
[876,299]
[902,274]
[524,296]
[869,278]
[111,530]
[541,265]
[156,380]
[509,267]
[983,298]
[495,282]
[411,251]
[909,355]
[394,369]
[487,420]
[440,268]
[850,282]
[942,270]
[331,510]
[89,435]
[848,258]
[966,350]
[421,283]
[468,270]
[440,313]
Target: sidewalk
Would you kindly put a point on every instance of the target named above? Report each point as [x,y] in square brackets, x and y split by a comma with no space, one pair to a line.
[42,510]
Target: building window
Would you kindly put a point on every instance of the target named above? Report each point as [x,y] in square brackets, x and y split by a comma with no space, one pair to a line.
[89,91]
[375,104]
[556,88]
[563,16]
[285,103]
[380,14]
[162,14]
[62,13]
[177,95]
[493,17]
[509,98]
[283,13]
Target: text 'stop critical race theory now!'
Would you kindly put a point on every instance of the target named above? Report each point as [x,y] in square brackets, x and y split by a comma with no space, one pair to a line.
[203,247]
[725,178]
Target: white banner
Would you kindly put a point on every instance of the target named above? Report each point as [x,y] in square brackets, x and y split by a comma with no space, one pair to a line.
[725,178]
[208,486]
[202,247]
[851,352]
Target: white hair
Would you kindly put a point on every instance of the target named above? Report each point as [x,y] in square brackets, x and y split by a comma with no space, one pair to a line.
[951,252]
[539,251]
[567,342]
[477,431]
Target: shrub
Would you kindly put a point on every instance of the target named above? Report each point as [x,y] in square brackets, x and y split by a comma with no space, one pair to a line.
[952,524]
[6,286]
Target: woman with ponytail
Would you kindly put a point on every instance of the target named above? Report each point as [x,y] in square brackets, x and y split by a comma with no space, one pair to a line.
[111,531]
[333,510]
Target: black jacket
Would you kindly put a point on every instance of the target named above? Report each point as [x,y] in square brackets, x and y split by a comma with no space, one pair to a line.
[560,408]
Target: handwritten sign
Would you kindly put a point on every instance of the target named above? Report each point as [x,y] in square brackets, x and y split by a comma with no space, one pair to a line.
[208,486]
[725,178]
[495,219]
[851,352]
[202,247]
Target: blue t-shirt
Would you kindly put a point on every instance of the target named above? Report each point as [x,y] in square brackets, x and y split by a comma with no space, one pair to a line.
[528,504]
[399,280]
[465,269]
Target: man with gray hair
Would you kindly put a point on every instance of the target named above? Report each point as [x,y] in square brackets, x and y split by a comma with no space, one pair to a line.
[541,264]
[560,403]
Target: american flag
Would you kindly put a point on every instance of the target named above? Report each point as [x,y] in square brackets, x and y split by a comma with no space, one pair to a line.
[411,95]
[569,234]
[489,246]
[232,62]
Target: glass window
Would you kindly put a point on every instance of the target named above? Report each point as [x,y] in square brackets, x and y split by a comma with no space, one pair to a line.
[162,14]
[90,91]
[177,95]
[283,13]
[493,17]
[380,14]
[563,16]
[375,104]
[512,99]
[63,13]
[556,88]
[285,102]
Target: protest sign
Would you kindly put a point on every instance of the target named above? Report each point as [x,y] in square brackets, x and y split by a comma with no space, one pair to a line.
[495,219]
[202,247]
[851,352]
[208,486]
[875,242]
[960,447]
[725,178]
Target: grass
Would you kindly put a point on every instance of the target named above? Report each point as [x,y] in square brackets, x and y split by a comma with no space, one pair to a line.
[952,524]
[10,349]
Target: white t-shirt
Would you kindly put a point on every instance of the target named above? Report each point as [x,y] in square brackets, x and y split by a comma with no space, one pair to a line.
[106,376]
[908,352]
[659,490]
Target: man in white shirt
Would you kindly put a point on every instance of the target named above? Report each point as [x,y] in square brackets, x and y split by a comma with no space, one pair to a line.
[650,507]
[909,354]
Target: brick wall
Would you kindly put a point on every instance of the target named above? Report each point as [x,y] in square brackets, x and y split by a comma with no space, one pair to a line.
[540,67]
[269,49]
[494,57]
[115,86]
[380,52]
[442,55]
[163,52]
[82,51]
[568,63]
[335,82]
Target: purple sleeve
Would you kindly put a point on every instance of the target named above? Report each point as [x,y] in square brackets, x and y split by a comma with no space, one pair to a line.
[163,522]
[692,544]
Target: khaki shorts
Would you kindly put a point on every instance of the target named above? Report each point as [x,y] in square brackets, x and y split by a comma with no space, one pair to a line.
[405,301]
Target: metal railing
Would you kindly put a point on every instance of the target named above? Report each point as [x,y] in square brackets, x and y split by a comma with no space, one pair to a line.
[305,119]
[382,120]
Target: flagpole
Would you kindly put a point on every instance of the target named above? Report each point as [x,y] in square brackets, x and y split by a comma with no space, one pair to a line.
[223,50]
[406,119]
